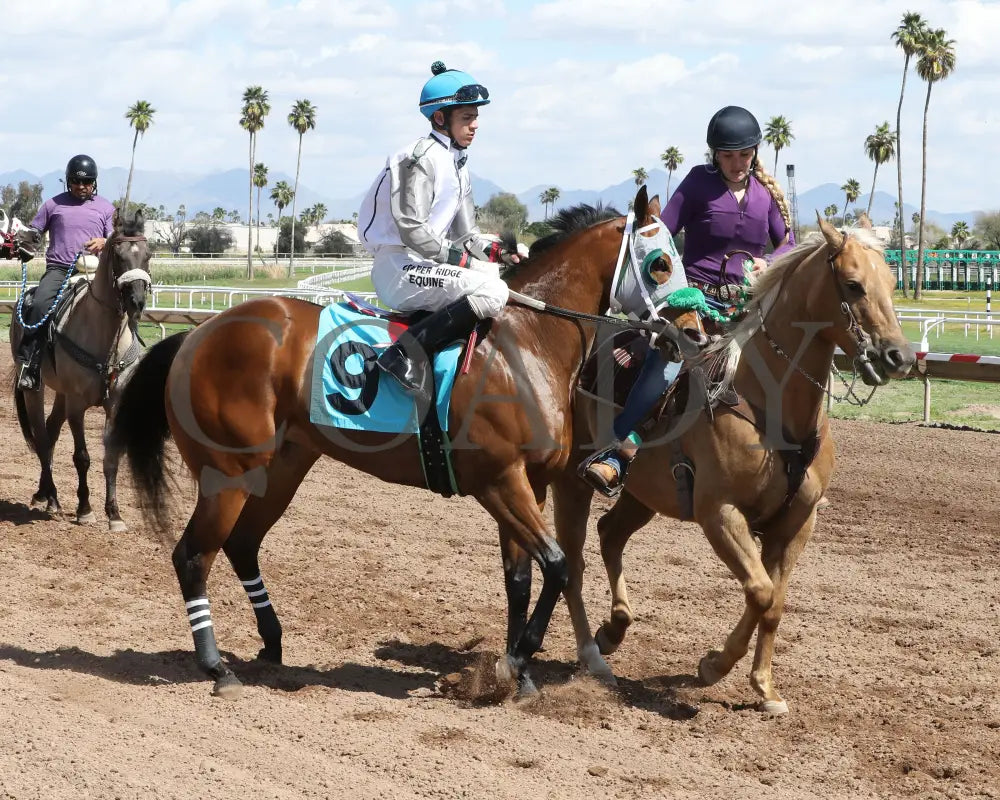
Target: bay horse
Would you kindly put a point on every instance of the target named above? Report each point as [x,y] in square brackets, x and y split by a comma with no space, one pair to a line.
[753,474]
[234,394]
[93,349]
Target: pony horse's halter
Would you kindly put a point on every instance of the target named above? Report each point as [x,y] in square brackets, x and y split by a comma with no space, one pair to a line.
[117,284]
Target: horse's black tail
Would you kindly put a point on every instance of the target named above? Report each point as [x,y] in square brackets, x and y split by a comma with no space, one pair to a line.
[140,425]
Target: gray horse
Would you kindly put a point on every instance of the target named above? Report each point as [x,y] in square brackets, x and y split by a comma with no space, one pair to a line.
[86,361]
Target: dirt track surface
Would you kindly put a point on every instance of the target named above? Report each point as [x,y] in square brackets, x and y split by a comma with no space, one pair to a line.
[888,653]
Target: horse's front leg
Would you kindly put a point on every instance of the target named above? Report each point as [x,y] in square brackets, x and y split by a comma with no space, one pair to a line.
[81,460]
[615,529]
[112,458]
[517,586]
[782,545]
[571,503]
[732,540]
[513,503]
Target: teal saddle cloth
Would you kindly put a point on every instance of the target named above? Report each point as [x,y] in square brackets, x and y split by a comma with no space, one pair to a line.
[351,392]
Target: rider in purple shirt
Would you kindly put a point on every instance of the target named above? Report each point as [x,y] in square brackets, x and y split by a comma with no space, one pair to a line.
[76,220]
[728,205]
[715,223]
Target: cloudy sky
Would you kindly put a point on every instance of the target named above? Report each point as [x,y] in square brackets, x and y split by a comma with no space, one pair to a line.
[584,91]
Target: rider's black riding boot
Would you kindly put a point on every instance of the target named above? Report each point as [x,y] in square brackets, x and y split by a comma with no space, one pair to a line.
[29,359]
[409,359]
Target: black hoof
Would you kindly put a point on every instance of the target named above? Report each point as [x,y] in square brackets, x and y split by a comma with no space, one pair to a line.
[270,653]
[228,687]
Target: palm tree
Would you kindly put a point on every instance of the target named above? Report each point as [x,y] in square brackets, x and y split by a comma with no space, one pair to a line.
[255,108]
[672,159]
[281,196]
[319,213]
[906,36]
[830,211]
[960,232]
[880,147]
[302,118]
[778,134]
[639,176]
[851,190]
[548,198]
[935,63]
[260,181]
[140,117]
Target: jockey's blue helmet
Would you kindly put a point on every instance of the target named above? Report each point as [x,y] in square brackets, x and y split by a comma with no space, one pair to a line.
[451,87]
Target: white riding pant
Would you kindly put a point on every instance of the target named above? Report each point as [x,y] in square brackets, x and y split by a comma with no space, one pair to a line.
[406,282]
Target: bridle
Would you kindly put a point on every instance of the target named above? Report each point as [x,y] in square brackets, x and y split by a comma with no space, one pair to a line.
[115,285]
[862,339]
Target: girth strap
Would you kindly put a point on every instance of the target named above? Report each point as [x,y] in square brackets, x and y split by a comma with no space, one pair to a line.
[797,460]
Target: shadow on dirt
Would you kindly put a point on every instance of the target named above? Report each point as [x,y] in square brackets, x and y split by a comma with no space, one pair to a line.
[22,513]
[171,667]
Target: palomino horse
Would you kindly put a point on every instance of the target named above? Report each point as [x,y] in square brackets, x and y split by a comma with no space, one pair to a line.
[235,395]
[93,347]
[752,467]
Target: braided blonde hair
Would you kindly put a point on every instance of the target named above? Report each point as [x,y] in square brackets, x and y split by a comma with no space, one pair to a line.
[774,189]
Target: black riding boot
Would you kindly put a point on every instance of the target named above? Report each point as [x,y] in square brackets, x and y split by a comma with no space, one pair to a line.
[409,359]
[29,359]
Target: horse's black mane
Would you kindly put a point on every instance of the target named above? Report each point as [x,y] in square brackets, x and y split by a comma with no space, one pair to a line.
[570,220]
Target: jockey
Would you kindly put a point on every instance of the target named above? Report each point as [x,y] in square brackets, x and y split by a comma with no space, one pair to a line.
[418,221]
[76,220]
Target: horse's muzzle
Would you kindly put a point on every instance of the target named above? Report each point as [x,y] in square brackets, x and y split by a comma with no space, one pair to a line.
[878,365]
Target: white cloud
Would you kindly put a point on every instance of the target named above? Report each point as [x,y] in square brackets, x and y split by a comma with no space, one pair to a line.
[581,94]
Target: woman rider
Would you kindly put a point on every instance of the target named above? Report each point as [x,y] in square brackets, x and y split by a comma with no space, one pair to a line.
[729,205]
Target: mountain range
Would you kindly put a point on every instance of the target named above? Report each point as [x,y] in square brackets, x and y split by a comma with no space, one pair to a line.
[228,189]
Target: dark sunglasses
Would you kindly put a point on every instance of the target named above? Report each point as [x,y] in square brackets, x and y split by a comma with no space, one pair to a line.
[81,181]
[472,91]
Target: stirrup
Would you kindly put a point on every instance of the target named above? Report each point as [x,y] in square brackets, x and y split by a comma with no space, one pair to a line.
[411,377]
[589,472]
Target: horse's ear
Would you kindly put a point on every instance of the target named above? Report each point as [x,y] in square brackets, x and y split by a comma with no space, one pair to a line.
[654,206]
[116,219]
[833,237]
[641,203]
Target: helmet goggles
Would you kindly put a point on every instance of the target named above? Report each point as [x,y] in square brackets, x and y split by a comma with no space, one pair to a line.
[469,93]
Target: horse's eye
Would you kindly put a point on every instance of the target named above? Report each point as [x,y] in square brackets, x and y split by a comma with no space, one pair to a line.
[855,287]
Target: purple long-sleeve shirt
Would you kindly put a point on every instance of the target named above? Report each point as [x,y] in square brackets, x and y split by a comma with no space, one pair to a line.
[715,224]
[70,222]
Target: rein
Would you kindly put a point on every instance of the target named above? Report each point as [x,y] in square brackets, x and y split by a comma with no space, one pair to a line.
[853,327]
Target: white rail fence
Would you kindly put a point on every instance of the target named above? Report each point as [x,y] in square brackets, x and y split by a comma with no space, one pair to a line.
[192,305]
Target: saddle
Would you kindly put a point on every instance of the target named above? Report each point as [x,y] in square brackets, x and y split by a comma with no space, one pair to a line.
[434,449]
[693,393]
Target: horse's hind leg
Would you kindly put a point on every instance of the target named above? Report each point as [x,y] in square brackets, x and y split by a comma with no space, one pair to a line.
[81,460]
[205,533]
[780,553]
[571,504]
[284,474]
[45,433]
[615,529]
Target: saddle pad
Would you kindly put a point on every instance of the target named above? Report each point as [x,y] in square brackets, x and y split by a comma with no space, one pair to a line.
[351,392]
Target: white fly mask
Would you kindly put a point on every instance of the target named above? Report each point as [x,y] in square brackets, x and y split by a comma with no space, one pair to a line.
[649,270]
